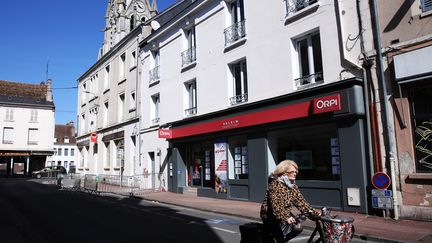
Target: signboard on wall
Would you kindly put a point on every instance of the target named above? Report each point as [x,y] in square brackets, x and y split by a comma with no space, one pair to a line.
[221,167]
[326,104]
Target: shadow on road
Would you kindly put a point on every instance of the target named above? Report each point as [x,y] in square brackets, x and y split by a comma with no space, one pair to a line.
[51,215]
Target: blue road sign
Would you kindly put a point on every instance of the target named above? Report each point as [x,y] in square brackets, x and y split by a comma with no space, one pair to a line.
[381,180]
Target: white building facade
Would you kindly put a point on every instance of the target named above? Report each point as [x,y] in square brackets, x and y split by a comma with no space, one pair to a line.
[65,149]
[26,127]
[108,92]
[230,89]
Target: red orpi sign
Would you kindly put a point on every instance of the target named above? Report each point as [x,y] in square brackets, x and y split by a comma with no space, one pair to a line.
[165,133]
[326,104]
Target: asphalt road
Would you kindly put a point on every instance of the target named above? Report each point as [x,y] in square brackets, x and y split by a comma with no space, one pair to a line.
[35,212]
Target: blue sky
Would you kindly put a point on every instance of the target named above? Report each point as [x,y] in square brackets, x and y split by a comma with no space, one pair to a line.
[63,33]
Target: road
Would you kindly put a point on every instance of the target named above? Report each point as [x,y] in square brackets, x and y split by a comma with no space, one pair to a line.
[40,213]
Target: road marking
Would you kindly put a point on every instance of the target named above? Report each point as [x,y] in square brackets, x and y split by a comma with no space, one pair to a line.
[225,230]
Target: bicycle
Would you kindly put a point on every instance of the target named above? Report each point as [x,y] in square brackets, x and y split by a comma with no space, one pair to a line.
[328,228]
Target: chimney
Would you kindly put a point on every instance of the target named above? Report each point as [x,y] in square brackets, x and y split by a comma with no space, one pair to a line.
[49,96]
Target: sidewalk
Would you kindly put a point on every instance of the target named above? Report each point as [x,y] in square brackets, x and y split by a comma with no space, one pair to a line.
[371,228]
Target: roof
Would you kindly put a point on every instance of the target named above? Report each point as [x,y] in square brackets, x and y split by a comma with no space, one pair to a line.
[24,93]
[65,131]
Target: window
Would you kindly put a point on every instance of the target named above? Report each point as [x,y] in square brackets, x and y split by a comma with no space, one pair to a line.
[237,29]
[426,5]
[238,158]
[314,148]
[309,60]
[66,139]
[84,93]
[107,155]
[33,136]
[106,77]
[9,114]
[191,98]
[155,108]
[132,23]
[293,6]
[59,151]
[120,154]
[239,74]
[72,152]
[121,103]
[154,73]
[189,55]
[55,151]
[83,123]
[122,67]
[33,115]
[422,125]
[132,104]
[66,152]
[105,114]
[8,134]
[133,59]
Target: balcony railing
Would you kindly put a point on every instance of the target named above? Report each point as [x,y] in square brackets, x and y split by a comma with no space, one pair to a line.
[155,121]
[188,56]
[235,32]
[309,79]
[239,99]
[293,6]
[154,74]
[191,111]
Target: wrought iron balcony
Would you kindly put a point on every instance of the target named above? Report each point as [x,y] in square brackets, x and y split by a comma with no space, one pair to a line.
[309,79]
[293,6]
[239,99]
[188,56]
[154,74]
[155,121]
[191,111]
[235,32]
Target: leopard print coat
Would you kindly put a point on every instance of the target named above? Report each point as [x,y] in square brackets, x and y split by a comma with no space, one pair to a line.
[281,198]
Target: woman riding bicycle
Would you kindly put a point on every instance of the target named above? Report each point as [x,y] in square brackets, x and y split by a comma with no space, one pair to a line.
[281,195]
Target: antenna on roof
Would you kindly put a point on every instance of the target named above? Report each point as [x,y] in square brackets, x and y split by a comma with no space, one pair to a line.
[46,79]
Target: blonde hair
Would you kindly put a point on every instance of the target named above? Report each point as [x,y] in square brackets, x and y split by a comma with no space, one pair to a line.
[283,167]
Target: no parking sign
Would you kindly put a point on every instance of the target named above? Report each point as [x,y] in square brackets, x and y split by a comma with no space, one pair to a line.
[381,180]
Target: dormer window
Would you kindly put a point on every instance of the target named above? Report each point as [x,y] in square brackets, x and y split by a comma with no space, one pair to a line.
[66,139]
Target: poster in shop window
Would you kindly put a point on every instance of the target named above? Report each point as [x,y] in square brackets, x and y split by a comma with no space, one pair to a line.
[221,167]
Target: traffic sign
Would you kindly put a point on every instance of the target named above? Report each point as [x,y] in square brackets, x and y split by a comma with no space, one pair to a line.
[381,180]
[382,199]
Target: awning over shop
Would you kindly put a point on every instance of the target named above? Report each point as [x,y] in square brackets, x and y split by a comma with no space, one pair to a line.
[413,65]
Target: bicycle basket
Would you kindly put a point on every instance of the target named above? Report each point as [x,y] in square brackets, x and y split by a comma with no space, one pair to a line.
[337,229]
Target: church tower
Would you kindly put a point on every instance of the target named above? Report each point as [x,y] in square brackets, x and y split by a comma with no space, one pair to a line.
[121,17]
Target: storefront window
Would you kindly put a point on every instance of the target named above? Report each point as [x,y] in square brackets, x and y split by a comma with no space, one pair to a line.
[422,127]
[314,148]
[238,159]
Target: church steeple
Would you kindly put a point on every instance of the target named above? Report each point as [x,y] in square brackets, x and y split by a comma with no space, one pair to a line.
[122,17]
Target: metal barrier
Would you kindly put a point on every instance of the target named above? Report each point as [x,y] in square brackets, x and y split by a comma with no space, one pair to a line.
[127,185]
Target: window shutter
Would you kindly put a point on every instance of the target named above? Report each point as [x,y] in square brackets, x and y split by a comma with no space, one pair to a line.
[426,5]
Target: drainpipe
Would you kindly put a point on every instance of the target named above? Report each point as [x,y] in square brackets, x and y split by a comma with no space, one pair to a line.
[366,65]
[137,91]
[390,140]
